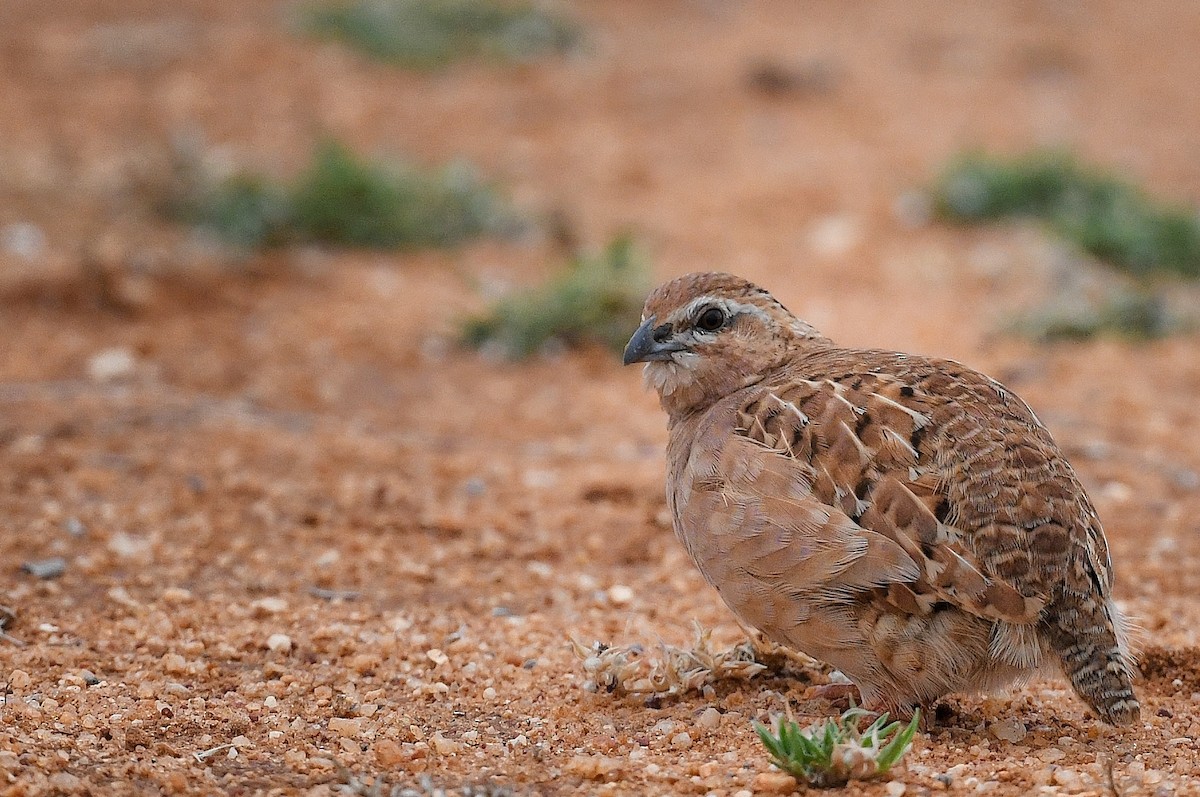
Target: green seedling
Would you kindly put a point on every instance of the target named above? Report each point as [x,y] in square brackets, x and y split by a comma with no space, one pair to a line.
[833,752]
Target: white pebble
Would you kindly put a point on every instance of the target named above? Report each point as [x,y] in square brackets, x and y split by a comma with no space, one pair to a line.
[265,606]
[279,643]
[710,718]
[834,235]
[23,239]
[619,595]
[895,788]
[1067,778]
[111,364]
[443,745]
[664,726]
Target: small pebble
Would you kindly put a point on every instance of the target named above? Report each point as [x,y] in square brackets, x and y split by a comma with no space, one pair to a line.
[174,663]
[1009,730]
[388,753]
[23,239]
[620,595]
[111,364]
[176,595]
[1051,754]
[1067,778]
[895,788]
[279,643]
[344,726]
[444,746]
[19,679]
[46,568]
[267,606]
[774,783]
[710,718]
[681,740]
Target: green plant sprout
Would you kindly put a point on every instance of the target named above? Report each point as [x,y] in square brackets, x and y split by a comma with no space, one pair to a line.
[833,752]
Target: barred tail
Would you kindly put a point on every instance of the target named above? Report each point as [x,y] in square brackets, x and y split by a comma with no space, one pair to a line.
[1089,635]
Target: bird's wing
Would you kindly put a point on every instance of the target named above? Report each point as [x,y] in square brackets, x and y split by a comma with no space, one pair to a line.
[850,477]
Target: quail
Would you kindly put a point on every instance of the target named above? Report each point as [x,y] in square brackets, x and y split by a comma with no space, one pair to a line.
[904,519]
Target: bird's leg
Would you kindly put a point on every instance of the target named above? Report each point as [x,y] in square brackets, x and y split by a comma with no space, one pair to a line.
[842,696]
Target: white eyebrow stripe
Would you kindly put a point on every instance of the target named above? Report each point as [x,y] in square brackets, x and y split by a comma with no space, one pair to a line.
[730,306]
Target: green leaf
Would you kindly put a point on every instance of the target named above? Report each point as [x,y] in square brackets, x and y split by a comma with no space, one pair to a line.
[899,745]
[808,754]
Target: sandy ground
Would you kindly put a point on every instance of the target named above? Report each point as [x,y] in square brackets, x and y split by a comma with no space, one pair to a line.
[312,547]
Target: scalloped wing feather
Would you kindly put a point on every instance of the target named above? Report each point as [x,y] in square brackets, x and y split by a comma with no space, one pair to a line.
[859,449]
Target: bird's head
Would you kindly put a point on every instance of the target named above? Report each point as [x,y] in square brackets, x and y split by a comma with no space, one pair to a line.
[704,336]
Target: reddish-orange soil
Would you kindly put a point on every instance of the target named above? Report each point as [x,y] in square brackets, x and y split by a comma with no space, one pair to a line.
[312,547]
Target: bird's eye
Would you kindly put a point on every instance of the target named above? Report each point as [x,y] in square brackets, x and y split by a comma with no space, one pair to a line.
[711,319]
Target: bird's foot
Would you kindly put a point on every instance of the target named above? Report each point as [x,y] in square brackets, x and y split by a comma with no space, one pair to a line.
[841,696]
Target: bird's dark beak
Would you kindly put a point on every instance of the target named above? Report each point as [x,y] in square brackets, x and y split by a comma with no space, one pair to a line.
[650,343]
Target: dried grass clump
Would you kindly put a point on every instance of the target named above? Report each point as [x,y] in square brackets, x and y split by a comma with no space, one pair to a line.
[631,670]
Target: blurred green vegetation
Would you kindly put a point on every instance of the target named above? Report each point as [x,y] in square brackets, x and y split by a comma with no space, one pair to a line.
[340,199]
[596,299]
[1103,215]
[427,34]
[1137,315]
